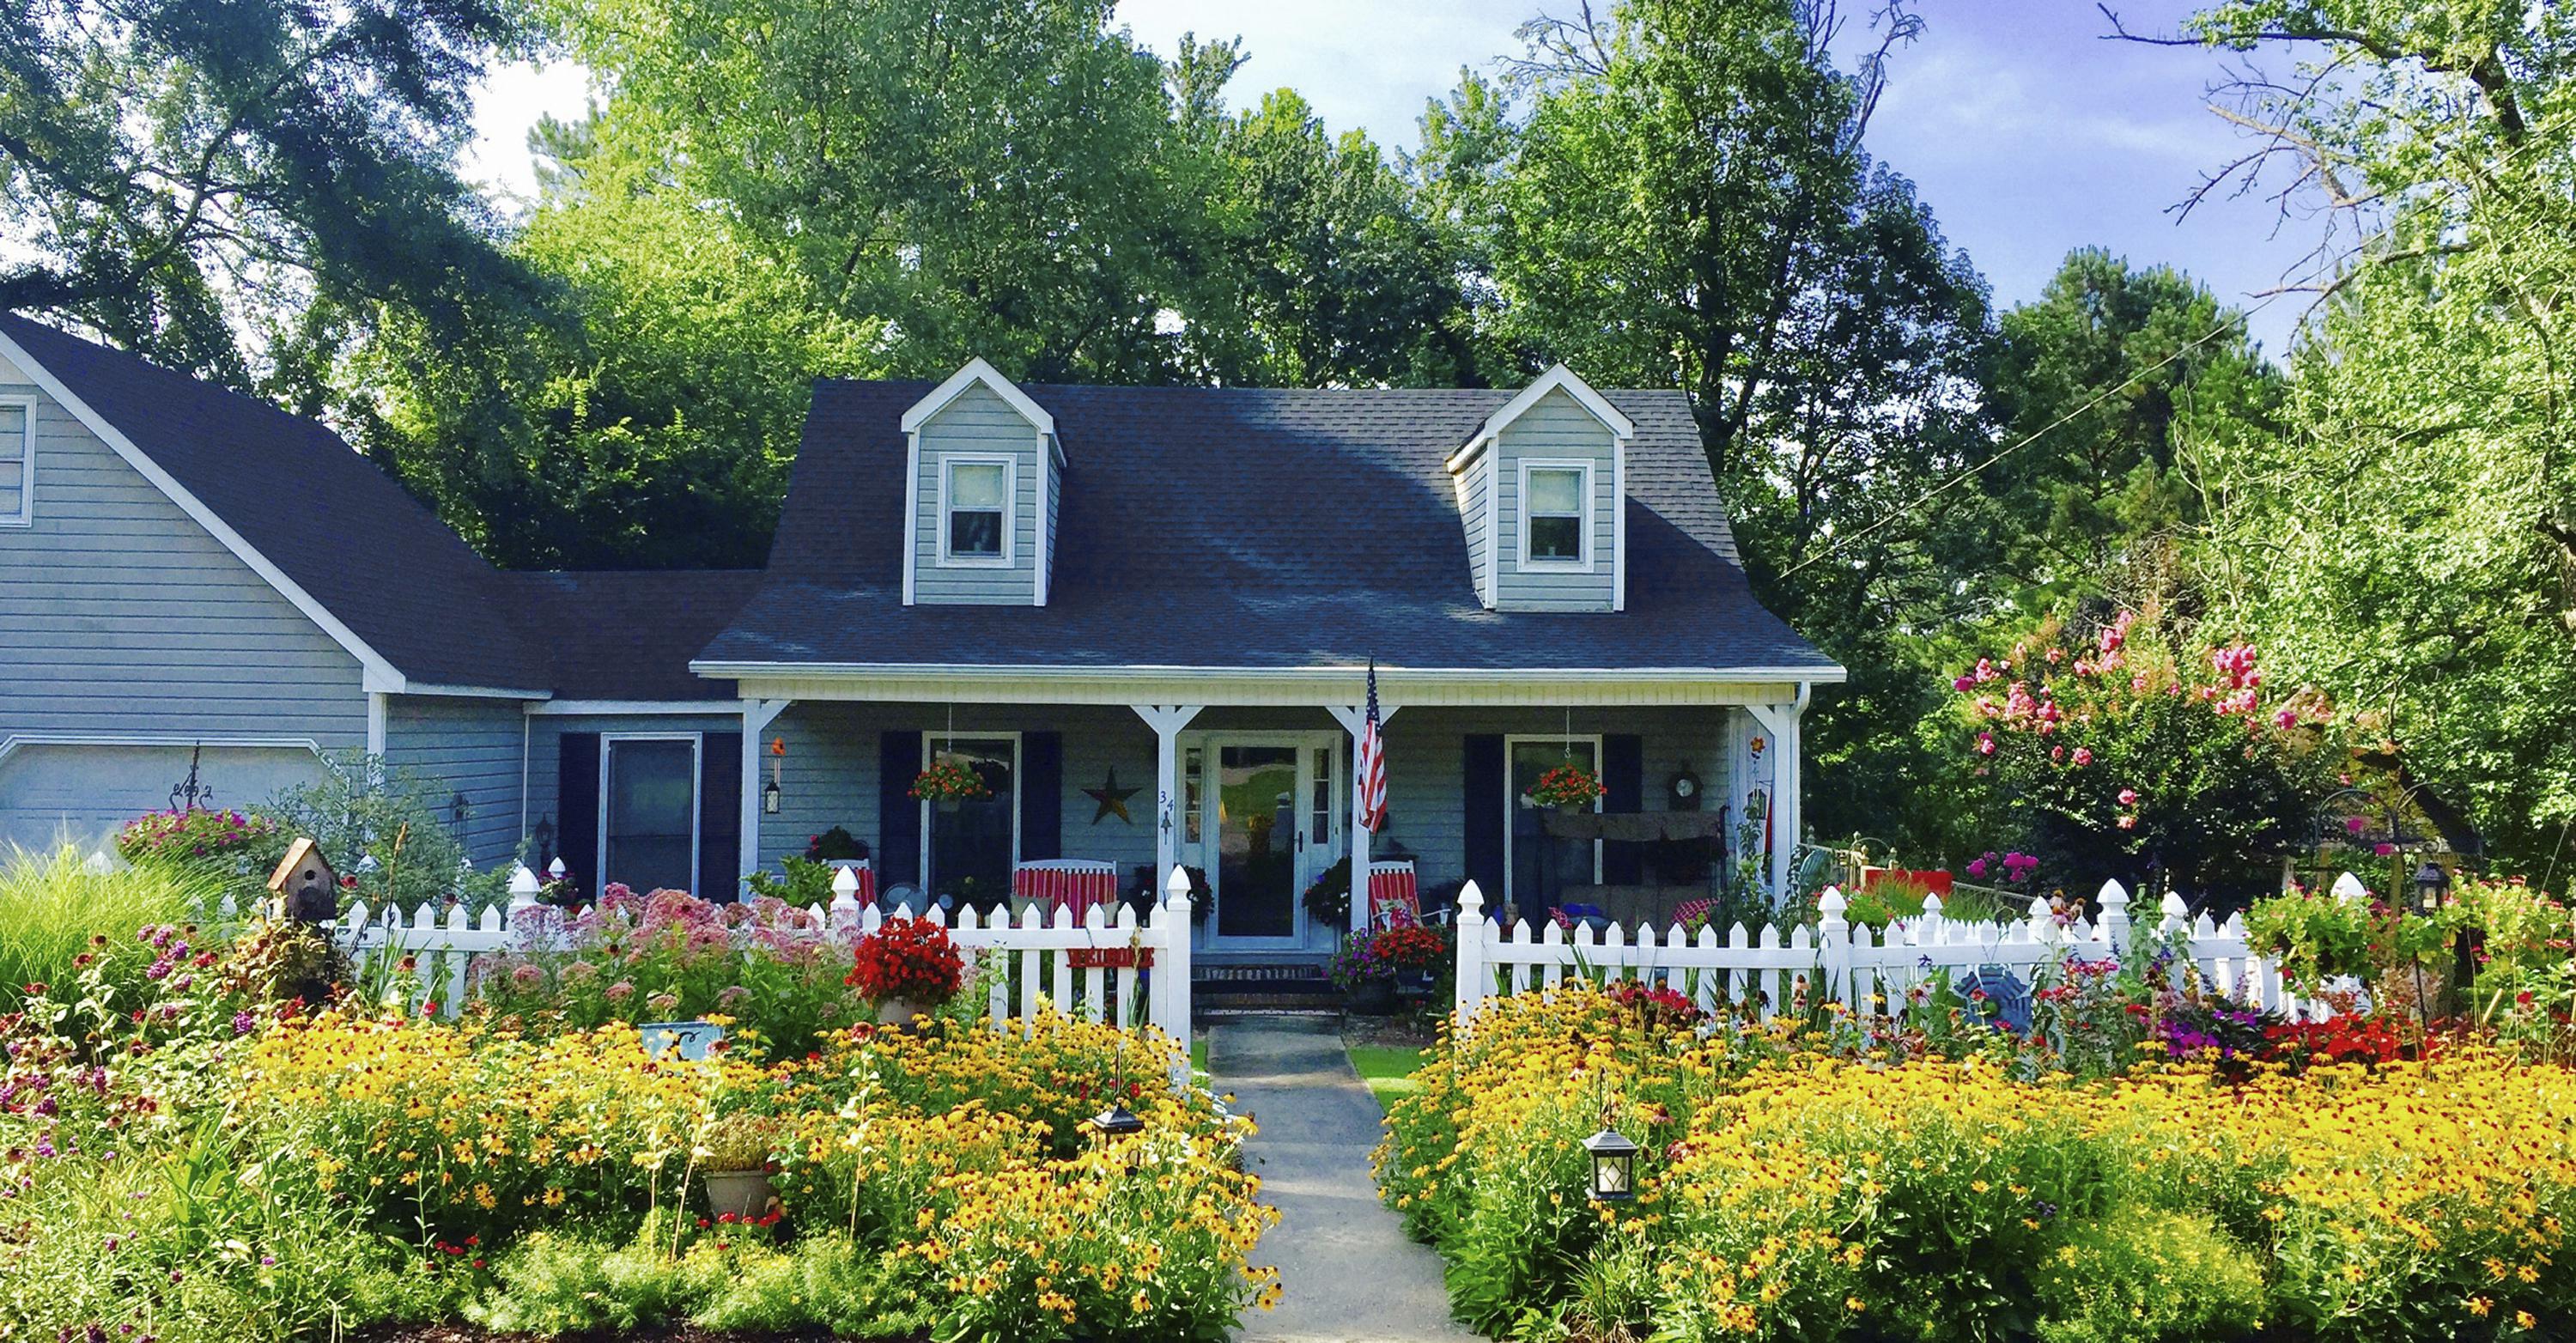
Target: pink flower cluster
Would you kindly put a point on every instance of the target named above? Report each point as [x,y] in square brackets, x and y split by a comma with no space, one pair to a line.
[2017,867]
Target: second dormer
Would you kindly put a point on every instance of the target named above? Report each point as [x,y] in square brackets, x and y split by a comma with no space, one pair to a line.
[1542,488]
[983,485]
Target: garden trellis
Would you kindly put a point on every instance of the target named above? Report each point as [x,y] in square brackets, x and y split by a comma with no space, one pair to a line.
[1868,971]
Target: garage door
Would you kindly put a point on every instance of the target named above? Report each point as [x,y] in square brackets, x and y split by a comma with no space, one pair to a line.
[54,794]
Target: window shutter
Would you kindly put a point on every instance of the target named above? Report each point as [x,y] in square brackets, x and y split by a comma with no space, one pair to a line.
[1623,781]
[898,814]
[719,815]
[577,808]
[1482,825]
[1041,785]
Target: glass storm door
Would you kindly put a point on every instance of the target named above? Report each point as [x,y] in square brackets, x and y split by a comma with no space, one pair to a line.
[1259,841]
[648,838]
[1541,868]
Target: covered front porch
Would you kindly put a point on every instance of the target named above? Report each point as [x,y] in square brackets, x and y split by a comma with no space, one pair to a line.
[1250,791]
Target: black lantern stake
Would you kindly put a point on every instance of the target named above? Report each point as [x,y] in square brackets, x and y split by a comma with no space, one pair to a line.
[1115,1123]
[2431,884]
[1614,1166]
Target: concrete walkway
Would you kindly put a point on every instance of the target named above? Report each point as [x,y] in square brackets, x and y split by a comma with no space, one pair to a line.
[1347,1272]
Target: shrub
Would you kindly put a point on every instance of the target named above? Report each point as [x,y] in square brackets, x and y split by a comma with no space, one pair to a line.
[385,828]
[2154,1276]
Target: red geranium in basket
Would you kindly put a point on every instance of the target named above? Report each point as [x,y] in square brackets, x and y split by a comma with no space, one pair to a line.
[911,959]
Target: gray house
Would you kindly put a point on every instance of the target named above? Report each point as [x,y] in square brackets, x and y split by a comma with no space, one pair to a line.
[1144,616]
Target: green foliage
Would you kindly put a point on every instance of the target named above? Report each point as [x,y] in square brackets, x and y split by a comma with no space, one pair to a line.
[2168,1276]
[52,907]
[174,173]
[385,826]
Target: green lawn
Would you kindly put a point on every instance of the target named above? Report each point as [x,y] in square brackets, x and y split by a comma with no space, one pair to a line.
[1198,1054]
[1387,1068]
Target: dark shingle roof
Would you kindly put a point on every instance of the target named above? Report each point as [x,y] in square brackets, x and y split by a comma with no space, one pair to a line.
[629,635]
[1229,527]
[343,531]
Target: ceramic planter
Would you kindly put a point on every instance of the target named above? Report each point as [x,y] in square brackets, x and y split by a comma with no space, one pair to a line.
[899,1011]
[744,1193]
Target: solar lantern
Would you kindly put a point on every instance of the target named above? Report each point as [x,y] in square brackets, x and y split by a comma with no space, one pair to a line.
[2431,884]
[1614,1166]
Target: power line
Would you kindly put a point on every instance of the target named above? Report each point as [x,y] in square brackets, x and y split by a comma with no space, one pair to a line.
[2035,435]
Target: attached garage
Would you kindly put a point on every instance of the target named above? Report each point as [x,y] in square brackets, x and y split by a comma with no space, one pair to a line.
[52,793]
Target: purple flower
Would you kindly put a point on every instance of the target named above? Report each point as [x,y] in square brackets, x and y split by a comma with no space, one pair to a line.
[244,1023]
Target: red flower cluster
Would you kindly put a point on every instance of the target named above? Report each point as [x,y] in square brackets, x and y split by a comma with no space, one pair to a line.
[1410,948]
[907,958]
[1567,786]
[2343,1039]
[1659,1003]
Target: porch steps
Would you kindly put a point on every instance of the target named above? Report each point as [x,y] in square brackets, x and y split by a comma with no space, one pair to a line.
[1293,986]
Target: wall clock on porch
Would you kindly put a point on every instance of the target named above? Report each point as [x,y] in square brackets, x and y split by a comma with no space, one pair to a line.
[1684,787]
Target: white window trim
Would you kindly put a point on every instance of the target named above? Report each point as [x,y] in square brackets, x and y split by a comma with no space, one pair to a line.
[1512,801]
[26,514]
[1591,505]
[1010,464]
[930,744]
[697,802]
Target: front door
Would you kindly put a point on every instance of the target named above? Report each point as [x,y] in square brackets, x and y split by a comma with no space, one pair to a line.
[1274,829]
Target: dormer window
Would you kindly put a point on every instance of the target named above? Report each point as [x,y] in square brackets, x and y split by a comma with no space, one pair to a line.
[975,494]
[1557,498]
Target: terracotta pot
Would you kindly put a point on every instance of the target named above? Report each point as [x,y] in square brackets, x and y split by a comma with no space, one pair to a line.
[744,1193]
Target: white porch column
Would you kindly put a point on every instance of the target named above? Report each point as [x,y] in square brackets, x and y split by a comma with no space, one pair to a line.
[1354,720]
[1782,721]
[1167,720]
[757,715]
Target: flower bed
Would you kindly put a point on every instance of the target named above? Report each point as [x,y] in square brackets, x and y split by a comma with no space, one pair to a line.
[185,1160]
[1789,1193]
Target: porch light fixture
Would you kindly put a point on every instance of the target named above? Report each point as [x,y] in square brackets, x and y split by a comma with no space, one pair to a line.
[2431,884]
[769,797]
[769,792]
[1614,1166]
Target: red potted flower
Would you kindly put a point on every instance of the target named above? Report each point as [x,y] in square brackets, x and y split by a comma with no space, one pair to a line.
[1571,787]
[907,968]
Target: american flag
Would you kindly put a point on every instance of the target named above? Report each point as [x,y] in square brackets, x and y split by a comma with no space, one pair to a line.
[1370,764]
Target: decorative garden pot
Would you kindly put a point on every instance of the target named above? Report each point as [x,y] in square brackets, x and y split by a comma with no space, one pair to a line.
[744,1193]
[1373,998]
[899,1011]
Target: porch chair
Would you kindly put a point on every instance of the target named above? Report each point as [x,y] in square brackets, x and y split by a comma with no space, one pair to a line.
[1394,896]
[1077,882]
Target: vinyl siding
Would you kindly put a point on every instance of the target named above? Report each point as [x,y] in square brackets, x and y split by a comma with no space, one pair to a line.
[1054,512]
[1475,509]
[121,617]
[978,421]
[470,746]
[1558,428]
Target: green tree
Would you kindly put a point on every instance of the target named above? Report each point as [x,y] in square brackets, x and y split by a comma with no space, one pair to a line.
[177,173]
[2410,541]
[2110,376]
[1322,272]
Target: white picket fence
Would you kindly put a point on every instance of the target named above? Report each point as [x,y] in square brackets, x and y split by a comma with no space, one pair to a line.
[1867,971]
[1106,967]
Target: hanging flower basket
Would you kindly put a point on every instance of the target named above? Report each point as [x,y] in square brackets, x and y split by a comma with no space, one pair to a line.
[948,782]
[1571,787]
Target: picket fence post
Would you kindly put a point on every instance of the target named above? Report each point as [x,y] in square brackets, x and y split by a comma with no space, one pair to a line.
[2115,919]
[523,890]
[1173,1010]
[1835,935]
[1472,980]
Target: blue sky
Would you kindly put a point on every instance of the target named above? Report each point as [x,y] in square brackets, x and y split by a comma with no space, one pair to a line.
[2027,133]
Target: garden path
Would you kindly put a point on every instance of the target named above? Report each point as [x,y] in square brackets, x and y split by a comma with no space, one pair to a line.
[1347,1272]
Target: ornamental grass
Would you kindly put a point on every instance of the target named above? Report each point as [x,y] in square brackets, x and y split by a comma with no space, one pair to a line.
[1788,1194]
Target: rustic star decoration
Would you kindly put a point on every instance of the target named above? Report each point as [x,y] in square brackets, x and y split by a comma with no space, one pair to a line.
[1112,800]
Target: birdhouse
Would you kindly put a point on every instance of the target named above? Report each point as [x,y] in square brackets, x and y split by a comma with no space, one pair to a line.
[308,890]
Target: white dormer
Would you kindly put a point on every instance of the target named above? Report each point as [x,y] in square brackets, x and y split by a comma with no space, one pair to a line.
[1542,488]
[983,477]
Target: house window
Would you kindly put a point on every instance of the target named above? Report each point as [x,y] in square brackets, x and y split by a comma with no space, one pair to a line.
[974,843]
[648,812]
[1537,869]
[1557,524]
[17,462]
[975,510]
[1192,761]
